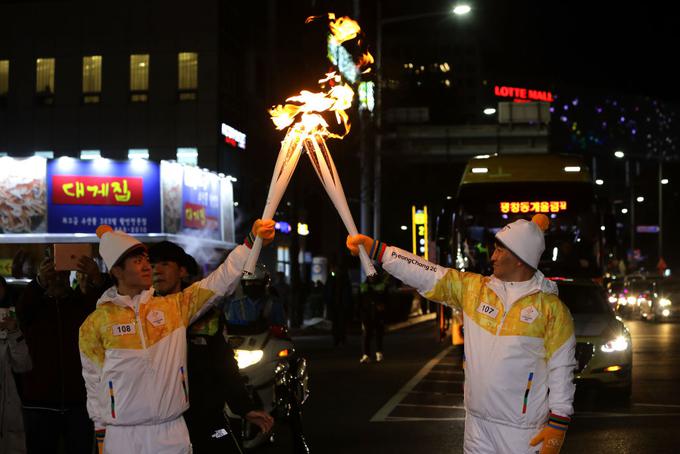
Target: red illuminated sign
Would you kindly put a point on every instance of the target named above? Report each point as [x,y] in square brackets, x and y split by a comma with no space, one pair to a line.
[89,190]
[522,94]
[542,206]
[195,217]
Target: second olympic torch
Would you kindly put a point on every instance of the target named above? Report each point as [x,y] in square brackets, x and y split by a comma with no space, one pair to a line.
[323,164]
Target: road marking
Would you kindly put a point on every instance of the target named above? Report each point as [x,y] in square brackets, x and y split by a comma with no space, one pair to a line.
[405,419]
[455,407]
[384,412]
[431,380]
[621,415]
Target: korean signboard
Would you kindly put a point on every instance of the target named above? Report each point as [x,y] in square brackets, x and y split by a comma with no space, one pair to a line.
[81,195]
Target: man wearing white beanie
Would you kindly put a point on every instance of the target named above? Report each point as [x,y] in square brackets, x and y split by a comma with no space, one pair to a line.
[133,347]
[519,339]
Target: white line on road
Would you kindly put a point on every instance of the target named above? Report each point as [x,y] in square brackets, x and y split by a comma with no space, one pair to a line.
[621,415]
[430,380]
[403,419]
[384,412]
[455,407]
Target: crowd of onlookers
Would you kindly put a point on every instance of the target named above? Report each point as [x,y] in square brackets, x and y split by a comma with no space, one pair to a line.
[42,396]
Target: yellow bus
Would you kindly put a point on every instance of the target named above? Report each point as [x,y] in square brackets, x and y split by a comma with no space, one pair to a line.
[497,189]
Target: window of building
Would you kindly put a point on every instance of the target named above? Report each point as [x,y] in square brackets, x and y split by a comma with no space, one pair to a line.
[139,77]
[188,75]
[283,260]
[92,78]
[138,153]
[4,77]
[187,156]
[44,80]
[90,154]
[44,154]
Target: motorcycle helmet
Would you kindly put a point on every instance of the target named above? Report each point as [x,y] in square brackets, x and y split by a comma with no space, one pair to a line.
[255,284]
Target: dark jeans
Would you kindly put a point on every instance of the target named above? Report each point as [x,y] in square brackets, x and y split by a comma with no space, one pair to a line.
[373,326]
[47,430]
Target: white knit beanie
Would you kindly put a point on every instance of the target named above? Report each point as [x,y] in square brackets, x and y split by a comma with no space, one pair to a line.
[525,239]
[113,244]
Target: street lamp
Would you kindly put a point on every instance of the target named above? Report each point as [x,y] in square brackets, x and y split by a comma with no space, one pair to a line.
[459,10]
[619,154]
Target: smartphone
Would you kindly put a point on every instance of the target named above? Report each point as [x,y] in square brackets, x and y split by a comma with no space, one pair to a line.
[66,256]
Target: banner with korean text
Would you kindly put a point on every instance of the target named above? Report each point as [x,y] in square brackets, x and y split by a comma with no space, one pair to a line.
[81,195]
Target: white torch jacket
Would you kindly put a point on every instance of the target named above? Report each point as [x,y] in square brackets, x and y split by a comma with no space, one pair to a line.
[515,351]
[133,350]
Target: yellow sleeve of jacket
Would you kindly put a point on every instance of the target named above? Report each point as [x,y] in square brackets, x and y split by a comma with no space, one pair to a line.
[560,351]
[92,360]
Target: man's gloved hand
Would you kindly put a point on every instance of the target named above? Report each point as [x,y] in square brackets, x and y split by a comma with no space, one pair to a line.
[262,228]
[552,435]
[261,419]
[374,249]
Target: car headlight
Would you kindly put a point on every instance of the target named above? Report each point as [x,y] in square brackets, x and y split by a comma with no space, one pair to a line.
[665,312]
[623,301]
[246,358]
[619,344]
[613,299]
[664,302]
[632,300]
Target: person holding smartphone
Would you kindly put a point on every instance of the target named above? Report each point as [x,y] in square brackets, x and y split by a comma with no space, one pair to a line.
[50,313]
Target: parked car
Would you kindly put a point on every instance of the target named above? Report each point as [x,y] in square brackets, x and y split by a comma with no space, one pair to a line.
[664,303]
[604,350]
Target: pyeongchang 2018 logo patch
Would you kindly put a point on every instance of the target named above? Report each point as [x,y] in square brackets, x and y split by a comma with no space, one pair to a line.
[412,261]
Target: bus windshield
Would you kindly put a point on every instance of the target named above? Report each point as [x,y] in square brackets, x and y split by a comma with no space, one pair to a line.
[572,241]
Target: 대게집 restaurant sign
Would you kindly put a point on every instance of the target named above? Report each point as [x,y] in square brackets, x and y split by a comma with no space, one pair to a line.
[81,195]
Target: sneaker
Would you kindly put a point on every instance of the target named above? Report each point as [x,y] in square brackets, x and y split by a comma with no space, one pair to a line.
[378,357]
[365,359]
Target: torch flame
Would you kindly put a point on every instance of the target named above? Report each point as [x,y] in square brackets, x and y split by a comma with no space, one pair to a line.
[365,60]
[308,105]
[343,29]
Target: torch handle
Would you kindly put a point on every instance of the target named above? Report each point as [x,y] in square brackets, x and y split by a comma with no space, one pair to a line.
[249,267]
[291,147]
[366,263]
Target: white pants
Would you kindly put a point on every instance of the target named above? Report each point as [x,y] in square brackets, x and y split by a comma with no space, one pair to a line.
[484,437]
[171,437]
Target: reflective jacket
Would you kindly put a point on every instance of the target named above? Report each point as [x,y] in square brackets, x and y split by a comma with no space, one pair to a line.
[515,351]
[133,350]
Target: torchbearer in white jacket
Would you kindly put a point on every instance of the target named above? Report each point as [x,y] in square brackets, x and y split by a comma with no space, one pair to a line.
[519,340]
[133,347]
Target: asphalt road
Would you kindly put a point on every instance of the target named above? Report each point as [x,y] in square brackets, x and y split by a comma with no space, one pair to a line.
[412,401]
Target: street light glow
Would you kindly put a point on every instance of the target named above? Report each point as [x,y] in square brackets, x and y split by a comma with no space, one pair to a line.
[624,210]
[572,169]
[599,182]
[461,10]
[403,227]
[489,111]
[480,170]
[664,181]
[619,154]
[640,199]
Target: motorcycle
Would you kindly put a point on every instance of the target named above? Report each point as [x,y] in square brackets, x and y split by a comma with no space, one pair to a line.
[277,379]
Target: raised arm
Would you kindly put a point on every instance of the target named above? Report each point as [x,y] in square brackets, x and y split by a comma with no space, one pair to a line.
[197,298]
[434,282]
